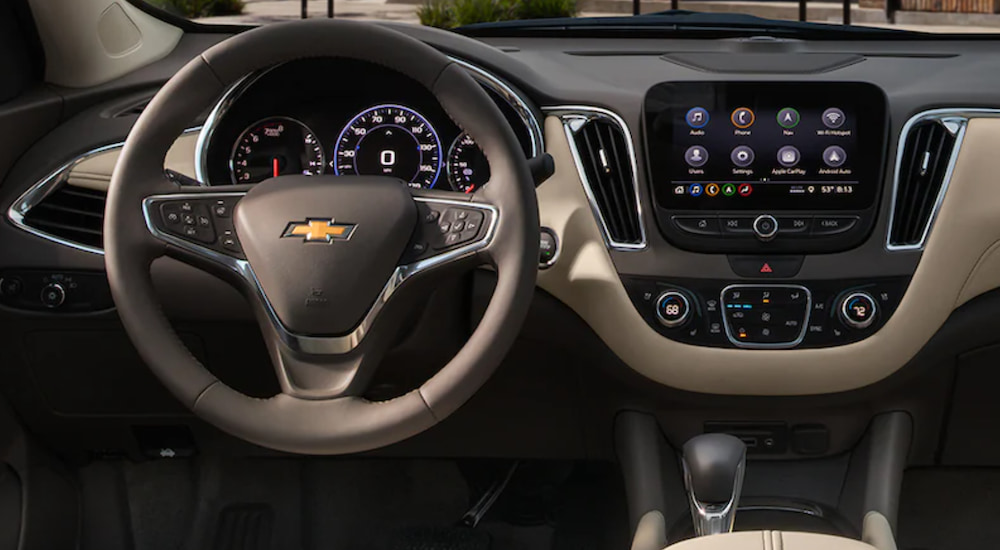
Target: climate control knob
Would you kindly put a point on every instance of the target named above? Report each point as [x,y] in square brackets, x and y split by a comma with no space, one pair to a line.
[858,310]
[672,308]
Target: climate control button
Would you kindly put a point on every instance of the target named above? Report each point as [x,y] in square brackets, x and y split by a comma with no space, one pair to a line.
[672,308]
[858,310]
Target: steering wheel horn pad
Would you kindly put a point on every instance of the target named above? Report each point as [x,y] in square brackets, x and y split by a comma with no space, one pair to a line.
[322,247]
[321,255]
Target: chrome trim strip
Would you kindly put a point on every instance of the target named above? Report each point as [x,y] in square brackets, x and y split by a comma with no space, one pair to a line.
[755,345]
[484,77]
[319,345]
[573,118]
[44,187]
[955,121]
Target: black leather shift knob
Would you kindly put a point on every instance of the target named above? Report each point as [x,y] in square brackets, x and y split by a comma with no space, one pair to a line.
[713,463]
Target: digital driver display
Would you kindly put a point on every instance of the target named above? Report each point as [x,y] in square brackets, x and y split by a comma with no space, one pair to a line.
[765,146]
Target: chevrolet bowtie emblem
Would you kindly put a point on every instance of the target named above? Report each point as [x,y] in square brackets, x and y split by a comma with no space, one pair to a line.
[319,230]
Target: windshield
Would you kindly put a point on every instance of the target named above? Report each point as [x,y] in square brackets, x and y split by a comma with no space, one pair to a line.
[751,16]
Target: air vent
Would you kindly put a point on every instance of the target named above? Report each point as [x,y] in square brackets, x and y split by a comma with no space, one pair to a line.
[606,162]
[922,169]
[74,214]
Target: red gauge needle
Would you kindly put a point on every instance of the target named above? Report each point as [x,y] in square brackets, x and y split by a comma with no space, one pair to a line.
[274,166]
[469,190]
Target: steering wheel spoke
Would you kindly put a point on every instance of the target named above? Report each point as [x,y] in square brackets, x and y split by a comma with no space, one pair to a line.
[197,224]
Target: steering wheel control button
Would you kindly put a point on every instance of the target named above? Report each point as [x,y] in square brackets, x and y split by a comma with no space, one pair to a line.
[697,225]
[743,118]
[765,316]
[548,248]
[834,156]
[742,156]
[765,227]
[697,118]
[788,118]
[206,222]
[696,156]
[833,225]
[444,227]
[858,310]
[833,118]
[789,156]
[766,267]
[672,309]
[53,295]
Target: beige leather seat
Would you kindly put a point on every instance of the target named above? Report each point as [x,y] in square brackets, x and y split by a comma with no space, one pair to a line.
[771,540]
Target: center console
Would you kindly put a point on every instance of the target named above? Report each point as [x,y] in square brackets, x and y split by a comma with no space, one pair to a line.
[766,173]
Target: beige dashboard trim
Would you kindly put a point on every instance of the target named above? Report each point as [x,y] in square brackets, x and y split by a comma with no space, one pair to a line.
[770,540]
[966,234]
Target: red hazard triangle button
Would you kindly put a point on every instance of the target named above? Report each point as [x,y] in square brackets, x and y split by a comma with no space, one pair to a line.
[766,268]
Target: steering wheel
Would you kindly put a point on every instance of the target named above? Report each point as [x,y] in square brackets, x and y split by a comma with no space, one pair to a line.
[332,265]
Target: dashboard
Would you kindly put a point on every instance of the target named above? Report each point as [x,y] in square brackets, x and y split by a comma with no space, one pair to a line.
[343,117]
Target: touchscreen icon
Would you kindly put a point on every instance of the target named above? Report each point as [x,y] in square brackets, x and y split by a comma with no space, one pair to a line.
[742,156]
[833,118]
[696,156]
[745,189]
[729,189]
[743,118]
[697,117]
[695,189]
[712,189]
[788,156]
[788,118]
[834,156]
[679,190]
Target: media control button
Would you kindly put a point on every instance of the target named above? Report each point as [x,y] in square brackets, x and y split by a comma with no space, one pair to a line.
[743,118]
[789,156]
[765,227]
[742,156]
[672,308]
[766,267]
[697,225]
[736,224]
[858,310]
[794,226]
[697,117]
[833,225]
[696,156]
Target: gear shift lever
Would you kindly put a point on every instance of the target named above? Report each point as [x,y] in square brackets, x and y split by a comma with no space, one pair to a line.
[713,474]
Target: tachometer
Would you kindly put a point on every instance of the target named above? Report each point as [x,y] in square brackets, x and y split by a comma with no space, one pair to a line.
[468,169]
[390,140]
[274,147]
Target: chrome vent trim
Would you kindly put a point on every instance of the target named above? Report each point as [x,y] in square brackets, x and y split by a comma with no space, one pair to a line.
[574,118]
[956,122]
[484,77]
[48,185]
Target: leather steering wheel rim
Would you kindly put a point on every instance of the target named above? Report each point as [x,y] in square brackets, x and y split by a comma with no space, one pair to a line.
[288,421]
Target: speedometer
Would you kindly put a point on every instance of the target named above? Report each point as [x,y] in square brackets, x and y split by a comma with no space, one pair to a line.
[275,147]
[390,140]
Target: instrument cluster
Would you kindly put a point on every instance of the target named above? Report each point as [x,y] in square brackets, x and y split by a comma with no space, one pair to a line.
[343,117]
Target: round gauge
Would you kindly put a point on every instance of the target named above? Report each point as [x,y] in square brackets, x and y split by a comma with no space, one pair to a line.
[273,147]
[468,169]
[390,140]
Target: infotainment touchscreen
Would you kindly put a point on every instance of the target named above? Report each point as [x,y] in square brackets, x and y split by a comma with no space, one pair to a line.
[765,145]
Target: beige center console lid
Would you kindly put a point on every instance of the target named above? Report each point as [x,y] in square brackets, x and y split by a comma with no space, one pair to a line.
[770,540]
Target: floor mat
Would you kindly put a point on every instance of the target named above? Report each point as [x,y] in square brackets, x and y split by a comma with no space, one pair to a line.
[949,509]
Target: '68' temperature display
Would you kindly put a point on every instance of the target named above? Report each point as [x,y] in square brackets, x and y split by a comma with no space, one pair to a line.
[390,140]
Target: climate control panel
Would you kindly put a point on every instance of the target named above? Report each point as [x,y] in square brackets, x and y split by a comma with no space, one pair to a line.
[803,314]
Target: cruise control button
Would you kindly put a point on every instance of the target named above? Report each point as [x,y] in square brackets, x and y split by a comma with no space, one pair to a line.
[833,225]
[221,210]
[697,225]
